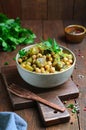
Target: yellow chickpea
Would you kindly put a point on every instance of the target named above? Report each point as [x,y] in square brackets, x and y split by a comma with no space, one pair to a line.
[52,70]
[28,63]
[71,61]
[50,59]
[49,63]
[47,67]
[39,55]
[34,56]
[42,70]
[23,65]
[38,70]
[65,59]
[67,63]
[20,60]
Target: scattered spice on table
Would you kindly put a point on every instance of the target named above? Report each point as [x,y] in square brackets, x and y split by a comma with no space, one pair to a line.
[74,108]
[84,109]
[81,76]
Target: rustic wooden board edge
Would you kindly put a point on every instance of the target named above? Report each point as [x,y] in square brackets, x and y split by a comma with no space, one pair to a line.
[16,106]
[53,117]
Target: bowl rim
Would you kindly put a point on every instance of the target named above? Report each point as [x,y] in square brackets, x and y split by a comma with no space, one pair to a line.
[75,25]
[29,46]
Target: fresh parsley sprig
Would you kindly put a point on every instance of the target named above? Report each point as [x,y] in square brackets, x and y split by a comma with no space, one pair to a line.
[52,45]
[13,34]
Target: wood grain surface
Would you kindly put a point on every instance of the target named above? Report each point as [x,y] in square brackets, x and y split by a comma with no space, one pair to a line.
[54,29]
[44,9]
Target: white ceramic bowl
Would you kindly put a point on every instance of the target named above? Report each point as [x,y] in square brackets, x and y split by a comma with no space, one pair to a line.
[45,80]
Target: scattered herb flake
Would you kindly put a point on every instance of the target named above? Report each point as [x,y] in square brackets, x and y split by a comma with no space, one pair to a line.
[22,52]
[6,63]
[14,58]
[74,109]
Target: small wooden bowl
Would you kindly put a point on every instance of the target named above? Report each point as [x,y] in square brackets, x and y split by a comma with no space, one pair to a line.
[75,33]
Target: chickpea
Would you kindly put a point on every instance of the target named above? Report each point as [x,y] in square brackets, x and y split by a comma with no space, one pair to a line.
[39,55]
[47,67]
[28,63]
[67,63]
[23,65]
[52,69]
[38,70]
[34,56]
[62,69]
[50,59]
[49,63]
[65,59]
[44,56]
[70,61]
[34,60]
[20,60]
[34,66]
[42,70]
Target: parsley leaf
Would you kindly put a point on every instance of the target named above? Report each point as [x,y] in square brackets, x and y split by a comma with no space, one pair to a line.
[22,52]
[52,45]
[13,34]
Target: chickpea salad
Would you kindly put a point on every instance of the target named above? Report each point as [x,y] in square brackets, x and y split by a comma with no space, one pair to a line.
[45,57]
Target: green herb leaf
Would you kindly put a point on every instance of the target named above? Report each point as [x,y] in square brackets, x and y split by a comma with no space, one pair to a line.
[6,63]
[72,107]
[13,34]
[22,52]
[14,58]
[52,45]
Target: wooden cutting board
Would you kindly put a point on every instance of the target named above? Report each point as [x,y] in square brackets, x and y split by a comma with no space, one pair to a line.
[65,91]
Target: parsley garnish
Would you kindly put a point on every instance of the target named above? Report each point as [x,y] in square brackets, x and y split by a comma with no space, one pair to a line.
[13,34]
[72,107]
[22,52]
[52,45]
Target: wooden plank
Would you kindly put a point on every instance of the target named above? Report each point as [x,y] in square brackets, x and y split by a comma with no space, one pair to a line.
[5,104]
[79,50]
[32,118]
[79,77]
[82,103]
[52,117]
[35,26]
[80,9]
[8,57]
[53,30]
[34,9]
[60,9]
[71,125]
[11,8]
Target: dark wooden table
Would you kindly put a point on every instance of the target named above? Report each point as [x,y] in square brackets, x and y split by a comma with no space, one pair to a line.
[53,29]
